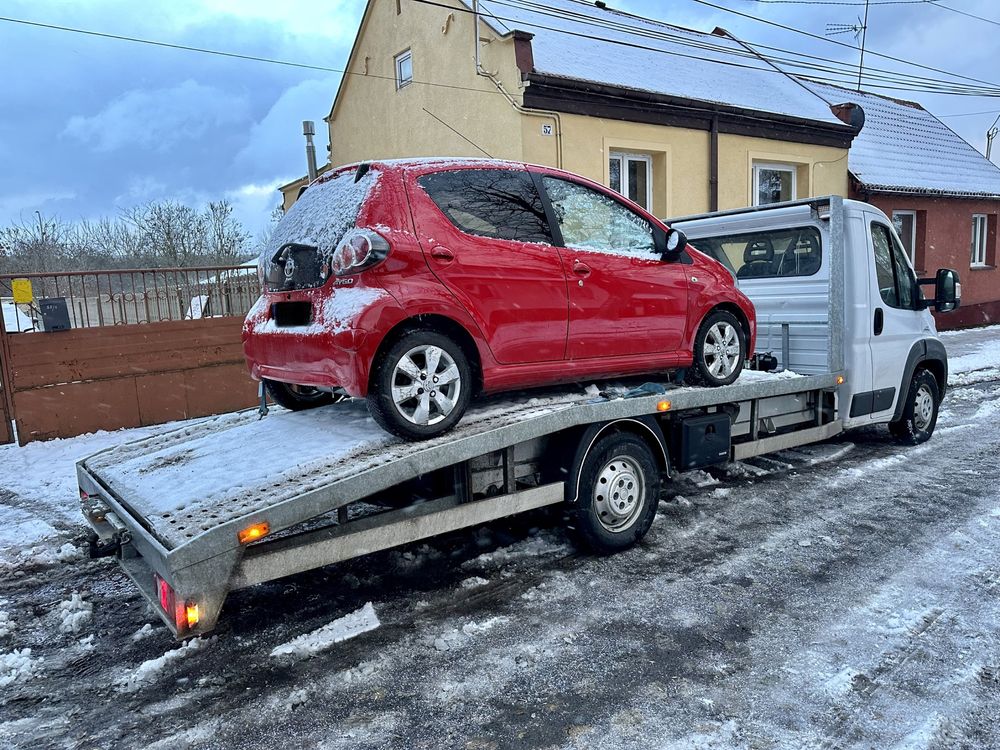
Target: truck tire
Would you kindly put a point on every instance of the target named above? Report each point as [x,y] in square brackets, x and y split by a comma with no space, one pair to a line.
[421,386]
[720,349]
[299,397]
[619,493]
[920,410]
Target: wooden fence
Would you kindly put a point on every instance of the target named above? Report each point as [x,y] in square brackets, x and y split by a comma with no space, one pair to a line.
[125,362]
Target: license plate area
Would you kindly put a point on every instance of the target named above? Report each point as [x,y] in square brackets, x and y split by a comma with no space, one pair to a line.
[291,314]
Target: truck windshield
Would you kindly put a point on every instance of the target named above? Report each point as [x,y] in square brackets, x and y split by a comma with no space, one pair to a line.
[312,228]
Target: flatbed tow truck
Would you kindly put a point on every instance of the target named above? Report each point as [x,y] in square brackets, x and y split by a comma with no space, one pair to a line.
[233,501]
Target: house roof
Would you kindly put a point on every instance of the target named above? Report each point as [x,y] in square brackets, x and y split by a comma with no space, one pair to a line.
[632,53]
[903,148]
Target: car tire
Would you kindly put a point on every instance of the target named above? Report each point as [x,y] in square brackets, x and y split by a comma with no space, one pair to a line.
[420,386]
[299,397]
[920,410]
[619,491]
[716,362]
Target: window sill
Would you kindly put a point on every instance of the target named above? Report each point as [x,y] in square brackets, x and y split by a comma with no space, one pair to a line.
[982,267]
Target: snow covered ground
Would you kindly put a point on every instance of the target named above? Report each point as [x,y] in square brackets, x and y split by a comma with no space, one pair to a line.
[846,595]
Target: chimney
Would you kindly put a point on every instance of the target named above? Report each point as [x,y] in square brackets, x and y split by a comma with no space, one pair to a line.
[309,130]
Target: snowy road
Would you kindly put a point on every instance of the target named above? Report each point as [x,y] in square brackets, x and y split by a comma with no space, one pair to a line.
[843,596]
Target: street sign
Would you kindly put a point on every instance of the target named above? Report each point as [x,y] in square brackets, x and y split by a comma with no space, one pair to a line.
[22,292]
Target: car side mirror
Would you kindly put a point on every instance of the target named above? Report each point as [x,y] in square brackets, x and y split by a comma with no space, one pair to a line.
[671,244]
[947,290]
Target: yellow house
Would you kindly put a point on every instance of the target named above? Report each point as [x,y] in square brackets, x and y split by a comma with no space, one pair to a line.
[680,121]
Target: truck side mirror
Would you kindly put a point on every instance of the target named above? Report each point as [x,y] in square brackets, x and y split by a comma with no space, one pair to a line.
[947,290]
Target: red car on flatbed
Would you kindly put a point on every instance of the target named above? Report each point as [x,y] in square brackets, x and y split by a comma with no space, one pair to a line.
[421,283]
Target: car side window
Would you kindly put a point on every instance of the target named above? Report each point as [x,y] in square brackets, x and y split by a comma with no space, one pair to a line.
[896,282]
[590,220]
[498,203]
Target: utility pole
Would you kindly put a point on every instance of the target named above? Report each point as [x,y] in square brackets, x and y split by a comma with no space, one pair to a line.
[864,33]
[991,133]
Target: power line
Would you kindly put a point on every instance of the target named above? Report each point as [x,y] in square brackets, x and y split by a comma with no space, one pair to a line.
[845,72]
[969,114]
[841,44]
[962,12]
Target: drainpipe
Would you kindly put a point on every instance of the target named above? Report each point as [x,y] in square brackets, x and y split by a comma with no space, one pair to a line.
[480,71]
[309,130]
[713,166]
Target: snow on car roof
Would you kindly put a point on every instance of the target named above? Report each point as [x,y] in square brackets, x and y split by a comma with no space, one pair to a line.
[904,148]
[630,52]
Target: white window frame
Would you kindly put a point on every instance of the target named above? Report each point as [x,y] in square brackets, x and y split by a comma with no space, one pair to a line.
[980,222]
[623,158]
[776,167]
[403,57]
[913,232]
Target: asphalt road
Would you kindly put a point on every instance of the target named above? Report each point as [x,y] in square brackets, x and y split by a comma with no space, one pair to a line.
[842,596]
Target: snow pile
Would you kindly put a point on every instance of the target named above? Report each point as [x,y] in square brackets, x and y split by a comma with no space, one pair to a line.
[150,669]
[341,629]
[18,666]
[74,612]
[143,633]
[473,583]
[478,628]
[7,625]
[546,543]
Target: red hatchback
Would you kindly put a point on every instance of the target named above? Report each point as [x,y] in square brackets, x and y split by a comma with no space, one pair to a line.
[421,283]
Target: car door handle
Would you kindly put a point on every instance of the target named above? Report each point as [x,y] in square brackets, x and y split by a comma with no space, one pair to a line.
[443,253]
[879,321]
[581,269]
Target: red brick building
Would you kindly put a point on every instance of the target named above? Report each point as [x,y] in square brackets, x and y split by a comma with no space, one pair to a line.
[942,195]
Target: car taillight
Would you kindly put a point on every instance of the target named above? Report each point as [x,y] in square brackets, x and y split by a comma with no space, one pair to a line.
[358,250]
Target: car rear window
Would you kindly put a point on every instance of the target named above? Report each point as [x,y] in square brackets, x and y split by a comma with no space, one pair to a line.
[319,218]
[768,254]
[498,203]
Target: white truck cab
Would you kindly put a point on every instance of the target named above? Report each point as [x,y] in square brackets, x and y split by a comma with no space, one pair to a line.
[807,265]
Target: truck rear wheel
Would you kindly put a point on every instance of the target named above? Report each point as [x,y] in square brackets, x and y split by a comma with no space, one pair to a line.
[299,397]
[920,410]
[619,493]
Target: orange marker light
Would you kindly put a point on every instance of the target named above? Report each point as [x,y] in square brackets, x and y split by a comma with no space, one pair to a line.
[192,615]
[663,406]
[840,380]
[255,532]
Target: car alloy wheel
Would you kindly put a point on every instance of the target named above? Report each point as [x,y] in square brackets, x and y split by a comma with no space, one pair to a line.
[426,385]
[721,350]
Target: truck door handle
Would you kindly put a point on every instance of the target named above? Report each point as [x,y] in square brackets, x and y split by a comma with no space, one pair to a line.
[443,253]
[879,320]
[581,269]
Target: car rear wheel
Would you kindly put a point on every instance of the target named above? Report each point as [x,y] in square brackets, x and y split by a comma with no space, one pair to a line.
[421,386]
[920,410]
[720,349]
[299,397]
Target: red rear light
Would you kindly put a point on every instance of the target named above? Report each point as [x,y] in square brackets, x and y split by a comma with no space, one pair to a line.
[185,614]
[358,250]
[165,594]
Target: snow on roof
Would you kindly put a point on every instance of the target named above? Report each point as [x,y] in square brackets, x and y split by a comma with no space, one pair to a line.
[904,148]
[698,66]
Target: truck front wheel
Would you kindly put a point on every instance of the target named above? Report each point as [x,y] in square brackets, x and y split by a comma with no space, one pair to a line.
[619,492]
[920,410]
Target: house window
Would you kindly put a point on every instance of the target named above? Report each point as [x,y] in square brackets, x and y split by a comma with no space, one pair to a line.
[404,69]
[632,176]
[979,239]
[773,183]
[905,223]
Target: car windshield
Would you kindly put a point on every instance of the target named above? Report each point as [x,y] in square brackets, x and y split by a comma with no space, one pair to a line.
[316,223]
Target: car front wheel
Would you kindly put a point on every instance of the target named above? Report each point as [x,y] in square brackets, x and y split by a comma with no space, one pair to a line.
[720,349]
[421,386]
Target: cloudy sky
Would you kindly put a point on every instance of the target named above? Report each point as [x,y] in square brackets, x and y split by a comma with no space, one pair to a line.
[91,125]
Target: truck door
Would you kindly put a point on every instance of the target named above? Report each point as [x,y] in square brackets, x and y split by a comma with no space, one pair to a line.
[897,320]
